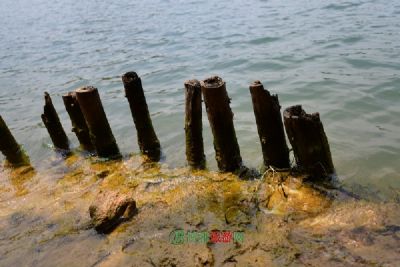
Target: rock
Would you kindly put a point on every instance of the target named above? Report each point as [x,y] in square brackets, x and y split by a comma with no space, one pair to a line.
[233,215]
[110,209]
[102,174]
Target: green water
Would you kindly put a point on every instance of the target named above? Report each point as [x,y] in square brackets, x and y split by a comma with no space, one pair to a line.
[340,58]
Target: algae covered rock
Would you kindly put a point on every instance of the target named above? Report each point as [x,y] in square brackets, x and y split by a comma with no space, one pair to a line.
[110,209]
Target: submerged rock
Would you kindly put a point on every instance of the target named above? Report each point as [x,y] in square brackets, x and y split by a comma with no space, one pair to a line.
[110,209]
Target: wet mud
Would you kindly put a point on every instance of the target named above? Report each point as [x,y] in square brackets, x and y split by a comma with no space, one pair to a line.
[282,221]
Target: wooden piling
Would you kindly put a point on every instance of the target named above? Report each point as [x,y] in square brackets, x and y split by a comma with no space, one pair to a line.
[79,126]
[270,127]
[147,139]
[220,116]
[100,131]
[193,125]
[309,142]
[53,125]
[13,152]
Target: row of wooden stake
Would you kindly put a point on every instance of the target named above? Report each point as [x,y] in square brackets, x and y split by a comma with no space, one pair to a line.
[89,123]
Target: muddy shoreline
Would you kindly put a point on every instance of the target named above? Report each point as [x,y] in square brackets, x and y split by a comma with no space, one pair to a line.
[285,222]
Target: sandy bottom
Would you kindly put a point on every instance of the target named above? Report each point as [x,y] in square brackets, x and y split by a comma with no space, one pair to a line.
[274,221]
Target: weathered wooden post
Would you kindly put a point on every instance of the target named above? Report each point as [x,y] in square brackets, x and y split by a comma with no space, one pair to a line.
[100,131]
[79,126]
[147,139]
[193,125]
[53,125]
[270,127]
[309,142]
[220,116]
[13,152]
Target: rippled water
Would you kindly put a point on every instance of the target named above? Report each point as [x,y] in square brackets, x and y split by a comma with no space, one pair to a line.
[341,58]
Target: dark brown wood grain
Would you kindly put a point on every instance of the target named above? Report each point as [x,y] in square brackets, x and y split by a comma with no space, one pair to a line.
[270,127]
[194,125]
[309,142]
[53,125]
[13,152]
[220,116]
[100,131]
[147,139]
[79,126]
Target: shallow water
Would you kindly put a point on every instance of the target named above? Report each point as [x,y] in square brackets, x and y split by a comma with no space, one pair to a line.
[340,58]
[284,222]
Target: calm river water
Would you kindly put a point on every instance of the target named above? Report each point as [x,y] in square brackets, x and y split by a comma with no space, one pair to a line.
[340,58]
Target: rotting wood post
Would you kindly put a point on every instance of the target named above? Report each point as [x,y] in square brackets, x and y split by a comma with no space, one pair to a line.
[53,125]
[100,131]
[220,116]
[193,125]
[13,152]
[79,126]
[309,142]
[270,127]
[147,139]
